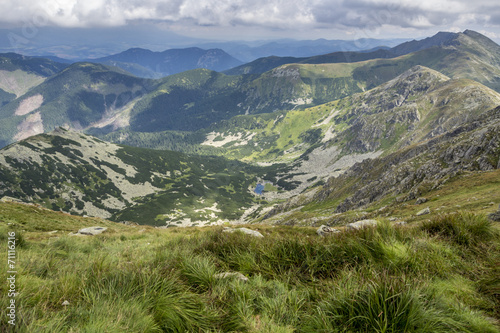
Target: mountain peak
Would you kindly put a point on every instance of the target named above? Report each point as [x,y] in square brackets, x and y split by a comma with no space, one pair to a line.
[418,77]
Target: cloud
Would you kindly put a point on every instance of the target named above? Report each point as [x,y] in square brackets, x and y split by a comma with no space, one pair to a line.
[272,14]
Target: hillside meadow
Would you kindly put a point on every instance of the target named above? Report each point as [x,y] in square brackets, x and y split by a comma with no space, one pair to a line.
[439,275]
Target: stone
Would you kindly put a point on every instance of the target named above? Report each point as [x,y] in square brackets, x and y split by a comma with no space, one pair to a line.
[11,199]
[92,231]
[245,231]
[400,223]
[424,211]
[495,216]
[362,224]
[325,230]
[236,275]
[420,201]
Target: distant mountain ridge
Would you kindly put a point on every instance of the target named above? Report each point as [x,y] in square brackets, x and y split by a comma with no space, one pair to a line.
[36,65]
[150,64]
[440,39]
[102,99]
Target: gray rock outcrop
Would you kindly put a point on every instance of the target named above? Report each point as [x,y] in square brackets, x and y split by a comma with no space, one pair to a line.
[362,224]
[424,211]
[325,230]
[420,201]
[495,216]
[245,231]
[92,231]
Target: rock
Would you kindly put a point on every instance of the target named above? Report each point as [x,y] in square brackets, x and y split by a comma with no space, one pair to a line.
[325,230]
[420,201]
[92,231]
[236,275]
[362,224]
[53,232]
[392,219]
[65,303]
[495,216]
[424,211]
[400,223]
[245,231]
[11,199]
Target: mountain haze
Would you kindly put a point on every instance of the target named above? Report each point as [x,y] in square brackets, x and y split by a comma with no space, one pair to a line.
[149,64]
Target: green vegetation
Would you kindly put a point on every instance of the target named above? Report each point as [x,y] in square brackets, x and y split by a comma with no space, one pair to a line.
[82,175]
[421,278]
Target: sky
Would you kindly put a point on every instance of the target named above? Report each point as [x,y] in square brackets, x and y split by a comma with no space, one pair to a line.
[259,19]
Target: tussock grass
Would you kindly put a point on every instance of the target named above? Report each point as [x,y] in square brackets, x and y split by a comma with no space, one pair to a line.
[463,228]
[439,277]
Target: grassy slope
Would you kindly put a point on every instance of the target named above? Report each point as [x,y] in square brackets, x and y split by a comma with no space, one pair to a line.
[435,277]
[474,191]
[421,99]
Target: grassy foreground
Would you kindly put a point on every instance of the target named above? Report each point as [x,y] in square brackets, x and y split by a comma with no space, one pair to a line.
[438,276]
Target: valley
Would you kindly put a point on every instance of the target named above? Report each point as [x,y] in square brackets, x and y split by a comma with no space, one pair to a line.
[181,157]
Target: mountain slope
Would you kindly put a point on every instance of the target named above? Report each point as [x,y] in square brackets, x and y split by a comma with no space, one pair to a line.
[102,100]
[149,64]
[267,63]
[20,73]
[417,169]
[82,95]
[83,175]
[326,140]
[421,148]
[458,55]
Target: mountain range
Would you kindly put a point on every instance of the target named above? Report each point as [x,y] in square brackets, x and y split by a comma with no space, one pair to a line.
[149,64]
[309,130]
[336,192]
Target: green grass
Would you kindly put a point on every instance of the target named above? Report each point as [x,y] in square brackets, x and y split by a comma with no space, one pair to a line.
[141,279]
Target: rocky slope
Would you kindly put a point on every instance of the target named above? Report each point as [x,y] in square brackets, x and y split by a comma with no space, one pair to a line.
[415,170]
[80,174]
[326,140]
[421,128]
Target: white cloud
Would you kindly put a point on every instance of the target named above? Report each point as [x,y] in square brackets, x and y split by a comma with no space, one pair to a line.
[271,14]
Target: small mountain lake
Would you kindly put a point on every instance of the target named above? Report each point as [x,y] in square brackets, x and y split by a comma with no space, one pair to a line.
[259,188]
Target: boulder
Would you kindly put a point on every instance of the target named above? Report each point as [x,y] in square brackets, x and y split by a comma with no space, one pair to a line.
[92,231]
[235,275]
[11,199]
[420,201]
[424,211]
[245,231]
[362,224]
[495,216]
[325,230]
